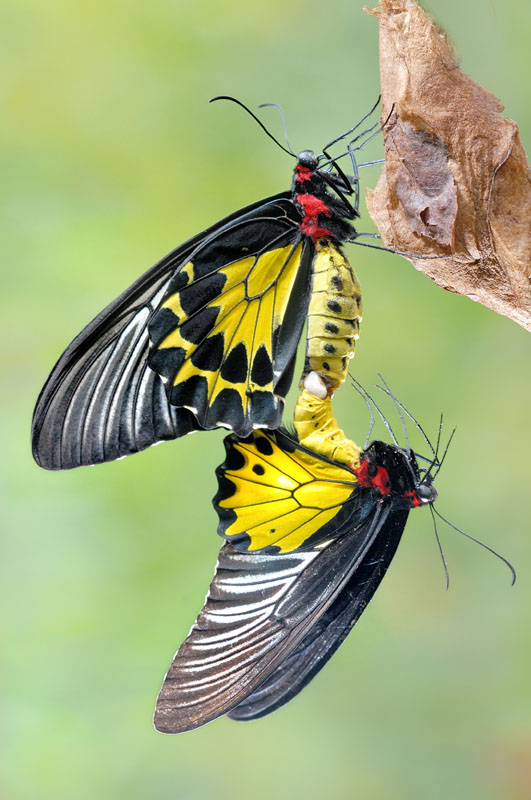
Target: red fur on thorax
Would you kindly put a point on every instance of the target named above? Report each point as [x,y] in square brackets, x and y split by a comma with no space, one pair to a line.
[302,174]
[312,206]
[380,481]
[314,231]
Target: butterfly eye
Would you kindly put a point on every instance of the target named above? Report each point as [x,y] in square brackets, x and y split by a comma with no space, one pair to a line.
[426,493]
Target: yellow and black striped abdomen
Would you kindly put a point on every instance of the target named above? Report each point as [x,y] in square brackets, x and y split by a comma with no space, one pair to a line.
[334,316]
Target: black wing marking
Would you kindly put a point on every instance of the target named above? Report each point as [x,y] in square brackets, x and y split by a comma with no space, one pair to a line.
[258,609]
[102,401]
[226,333]
[329,632]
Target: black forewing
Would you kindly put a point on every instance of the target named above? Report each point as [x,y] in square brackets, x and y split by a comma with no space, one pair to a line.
[258,609]
[102,401]
[326,635]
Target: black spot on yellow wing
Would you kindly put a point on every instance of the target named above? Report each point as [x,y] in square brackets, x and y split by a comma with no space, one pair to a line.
[190,393]
[235,366]
[263,445]
[227,407]
[273,496]
[159,323]
[262,371]
[197,328]
[208,357]
[225,336]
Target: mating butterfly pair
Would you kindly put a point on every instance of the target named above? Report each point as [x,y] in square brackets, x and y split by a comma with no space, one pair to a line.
[208,338]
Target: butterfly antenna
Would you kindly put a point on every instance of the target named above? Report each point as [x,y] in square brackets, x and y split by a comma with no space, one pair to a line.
[423,458]
[360,135]
[397,406]
[371,426]
[439,432]
[477,541]
[253,115]
[351,150]
[415,422]
[444,454]
[284,125]
[443,559]
[435,459]
[366,394]
[356,126]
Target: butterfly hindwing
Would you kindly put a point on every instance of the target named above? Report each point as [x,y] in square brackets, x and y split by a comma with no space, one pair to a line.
[228,328]
[103,401]
[275,494]
[259,607]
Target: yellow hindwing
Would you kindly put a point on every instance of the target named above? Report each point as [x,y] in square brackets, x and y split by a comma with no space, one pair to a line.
[243,319]
[277,496]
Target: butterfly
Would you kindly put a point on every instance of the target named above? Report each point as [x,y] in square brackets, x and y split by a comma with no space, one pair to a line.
[208,336]
[308,541]
[309,538]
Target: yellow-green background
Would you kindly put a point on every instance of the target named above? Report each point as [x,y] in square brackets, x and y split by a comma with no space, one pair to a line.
[110,157]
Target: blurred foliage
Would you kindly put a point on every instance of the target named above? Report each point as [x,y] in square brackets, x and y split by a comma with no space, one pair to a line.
[111,156]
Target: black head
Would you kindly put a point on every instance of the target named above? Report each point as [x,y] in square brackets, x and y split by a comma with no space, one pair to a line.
[306,158]
[393,473]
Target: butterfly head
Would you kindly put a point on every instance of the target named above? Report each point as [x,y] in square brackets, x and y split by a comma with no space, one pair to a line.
[307,159]
[393,474]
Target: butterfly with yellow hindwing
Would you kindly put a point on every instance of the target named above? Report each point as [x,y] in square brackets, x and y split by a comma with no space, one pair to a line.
[208,336]
[308,541]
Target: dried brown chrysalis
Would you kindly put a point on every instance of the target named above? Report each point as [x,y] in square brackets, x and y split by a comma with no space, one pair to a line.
[456,180]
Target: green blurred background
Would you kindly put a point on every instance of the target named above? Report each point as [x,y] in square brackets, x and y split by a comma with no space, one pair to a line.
[110,157]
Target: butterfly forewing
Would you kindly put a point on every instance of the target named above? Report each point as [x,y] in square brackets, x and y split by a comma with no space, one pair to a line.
[258,609]
[324,637]
[218,339]
[103,401]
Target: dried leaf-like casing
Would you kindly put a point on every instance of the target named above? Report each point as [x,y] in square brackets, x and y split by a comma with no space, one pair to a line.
[456,180]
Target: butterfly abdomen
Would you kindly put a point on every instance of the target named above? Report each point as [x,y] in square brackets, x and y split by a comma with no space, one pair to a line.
[318,430]
[334,316]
